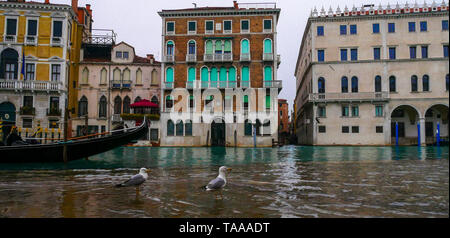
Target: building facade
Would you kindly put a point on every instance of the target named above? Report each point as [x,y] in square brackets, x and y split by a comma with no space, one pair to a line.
[219,49]
[283,121]
[370,75]
[109,82]
[39,43]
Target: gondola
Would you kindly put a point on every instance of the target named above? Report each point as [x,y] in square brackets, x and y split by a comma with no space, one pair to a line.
[76,150]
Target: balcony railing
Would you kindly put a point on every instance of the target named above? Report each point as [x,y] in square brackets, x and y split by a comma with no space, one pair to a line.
[245,84]
[268,57]
[10,38]
[27,111]
[99,37]
[169,58]
[227,57]
[168,85]
[30,40]
[126,84]
[118,84]
[57,41]
[365,96]
[191,58]
[116,118]
[222,57]
[245,57]
[273,84]
[30,85]
[55,112]
[211,84]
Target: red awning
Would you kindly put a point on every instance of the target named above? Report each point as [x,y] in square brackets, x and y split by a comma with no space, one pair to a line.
[144,103]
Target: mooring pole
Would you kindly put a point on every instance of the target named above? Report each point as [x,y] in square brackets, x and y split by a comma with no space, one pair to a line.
[418,135]
[396,133]
[438,134]
[66,118]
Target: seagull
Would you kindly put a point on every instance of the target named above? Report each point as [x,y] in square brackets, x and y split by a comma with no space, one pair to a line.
[136,180]
[218,182]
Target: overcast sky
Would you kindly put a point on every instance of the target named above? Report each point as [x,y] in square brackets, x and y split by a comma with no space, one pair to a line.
[137,22]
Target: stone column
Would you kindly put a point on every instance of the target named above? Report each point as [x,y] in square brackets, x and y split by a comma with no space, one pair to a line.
[422,132]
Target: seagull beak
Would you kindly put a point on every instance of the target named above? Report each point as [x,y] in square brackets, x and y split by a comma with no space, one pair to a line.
[148,171]
[229,169]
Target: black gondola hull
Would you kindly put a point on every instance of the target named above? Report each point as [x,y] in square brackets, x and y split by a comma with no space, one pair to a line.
[53,153]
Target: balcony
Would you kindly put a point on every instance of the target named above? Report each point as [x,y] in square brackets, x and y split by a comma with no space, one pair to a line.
[27,111]
[273,84]
[169,59]
[245,57]
[191,58]
[30,85]
[30,40]
[268,57]
[116,118]
[124,84]
[54,112]
[245,84]
[10,38]
[349,97]
[222,57]
[227,57]
[168,85]
[99,37]
[57,41]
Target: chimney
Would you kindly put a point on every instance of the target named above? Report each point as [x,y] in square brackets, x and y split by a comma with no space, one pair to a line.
[47,1]
[75,5]
[88,7]
[236,5]
[151,58]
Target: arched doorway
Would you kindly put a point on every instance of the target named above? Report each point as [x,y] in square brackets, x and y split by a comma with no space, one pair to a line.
[9,64]
[218,132]
[8,119]
[404,121]
[434,116]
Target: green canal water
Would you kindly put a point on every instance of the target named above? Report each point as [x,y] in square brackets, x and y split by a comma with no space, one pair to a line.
[292,181]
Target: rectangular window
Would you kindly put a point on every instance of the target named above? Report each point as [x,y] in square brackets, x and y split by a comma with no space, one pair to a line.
[392,54]
[11,25]
[32,28]
[343,54]
[445,51]
[445,25]
[27,123]
[376,53]
[379,111]
[376,28]
[345,111]
[354,54]
[28,101]
[54,103]
[56,72]
[227,26]
[355,129]
[209,27]
[320,55]
[343,29]
[57,28]
[170,29]
[411,26]
[320,31]
[267,25]
[125,55]
[423,26]
[353,30]
[192,27]
[119,54]
[30,69]
[322,111]
[391,27]
[412,52]
[345,129]
[322,129]
[379,129]
[355,111]
[424,52]
[245,26]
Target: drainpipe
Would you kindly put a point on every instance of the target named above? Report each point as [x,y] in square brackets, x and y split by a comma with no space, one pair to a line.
[109,99]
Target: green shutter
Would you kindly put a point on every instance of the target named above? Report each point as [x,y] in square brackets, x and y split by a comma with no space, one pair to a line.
[268,73]
[219,46]
[267,101]
[268,46]
[245,47]
[209,47]
[245,98]
[223,74]
[227,47]
[245,74]
[205,74]
[169,75]
[214,74]
[232,74]
[191,74]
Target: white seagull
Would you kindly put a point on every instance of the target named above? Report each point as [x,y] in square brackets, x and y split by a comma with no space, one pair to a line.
[220,181]
[137,180]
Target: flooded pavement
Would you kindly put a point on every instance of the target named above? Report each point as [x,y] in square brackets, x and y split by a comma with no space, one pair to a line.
[291,181]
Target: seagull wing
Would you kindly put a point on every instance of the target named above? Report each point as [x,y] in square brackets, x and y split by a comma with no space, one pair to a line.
[216,183]
[133,181]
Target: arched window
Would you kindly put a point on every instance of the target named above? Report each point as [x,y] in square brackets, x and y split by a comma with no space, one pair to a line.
[126,75]
[155,100]
[258,127]
[354,84]
[180,128]
[426,83]
[126,105]
[103,76]
[116,75]
[213,77]
[245,49]
[209,47]
[188,128]
[245,77]
[232,77]
[377,83]
[139,77]
[170,48]
[83,106]
[267,76]
[102,107]
[85,76]
[227,47]
[392,84]
[344,84]
[137,99]
[155,78]
[170,128]
[191,47]
[218,47]
[205,77]
[191,74]
[169,77]
[169,102]
[245,99]
[9,64]
[248,128]
[321,85]
[223,77]
[117,105]
[414,83]
[267,46]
